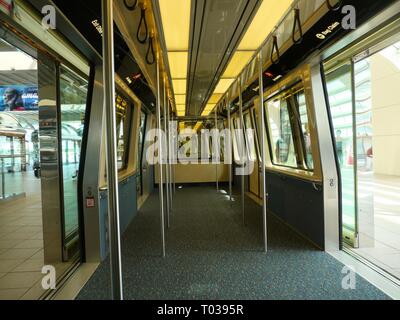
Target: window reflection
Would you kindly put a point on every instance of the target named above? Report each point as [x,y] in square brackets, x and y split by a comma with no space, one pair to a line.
[73,91]
[281,133]
[290,129]
[123,115]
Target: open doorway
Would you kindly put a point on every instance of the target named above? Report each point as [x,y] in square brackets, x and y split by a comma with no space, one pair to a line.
[365,108]
[21,230]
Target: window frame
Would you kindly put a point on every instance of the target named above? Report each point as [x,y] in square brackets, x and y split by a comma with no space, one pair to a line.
[293,129]
[302,77]
[128,133]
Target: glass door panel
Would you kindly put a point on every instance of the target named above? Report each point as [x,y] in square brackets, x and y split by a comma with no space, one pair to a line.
[340,91]
[73,91]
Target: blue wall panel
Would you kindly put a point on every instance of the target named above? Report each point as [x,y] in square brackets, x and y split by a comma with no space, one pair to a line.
[127,211]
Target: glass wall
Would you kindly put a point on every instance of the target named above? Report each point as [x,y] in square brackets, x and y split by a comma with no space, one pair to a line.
[73,90]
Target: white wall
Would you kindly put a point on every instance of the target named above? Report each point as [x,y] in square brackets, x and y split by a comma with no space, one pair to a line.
[386,115]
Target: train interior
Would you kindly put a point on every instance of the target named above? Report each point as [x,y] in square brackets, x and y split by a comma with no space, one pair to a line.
[256,144]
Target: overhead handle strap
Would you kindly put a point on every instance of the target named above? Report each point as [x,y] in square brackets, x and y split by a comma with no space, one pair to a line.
[275,49]
[150,56]
[144,23]
[131,7]
[335,7]
[297,23]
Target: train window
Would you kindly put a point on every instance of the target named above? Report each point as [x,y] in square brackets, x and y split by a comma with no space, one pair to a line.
[124,113]
[251,144]
[257,132]
[236,139]
[290,129]
[142,133]
[304,124]
[281,133]
[221,128]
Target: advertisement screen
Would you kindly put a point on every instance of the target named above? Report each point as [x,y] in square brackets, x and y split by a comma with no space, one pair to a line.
[18,98]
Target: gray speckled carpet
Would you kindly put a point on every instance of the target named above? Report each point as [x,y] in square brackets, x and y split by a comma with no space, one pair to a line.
[211,255]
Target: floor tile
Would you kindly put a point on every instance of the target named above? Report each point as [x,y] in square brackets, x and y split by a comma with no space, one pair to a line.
[18,236]
[30,244]
[22,280]
[7,244]
[37,236]
[38,256]
[12,294]
[16,254]
[30,266]
[31,229]
[9,265]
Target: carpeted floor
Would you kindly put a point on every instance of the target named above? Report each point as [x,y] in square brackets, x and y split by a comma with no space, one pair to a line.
[211,255]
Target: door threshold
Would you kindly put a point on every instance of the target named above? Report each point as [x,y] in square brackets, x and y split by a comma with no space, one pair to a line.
[70,290]
[383,283]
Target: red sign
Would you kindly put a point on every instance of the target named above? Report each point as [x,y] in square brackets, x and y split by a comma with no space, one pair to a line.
[90,203]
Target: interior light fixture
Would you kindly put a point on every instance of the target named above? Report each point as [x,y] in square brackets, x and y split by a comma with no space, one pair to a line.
[267,17]
[214,99]
[180,99]
[179,86]
[175,16]
[223,85]
[238,61]
[178,64]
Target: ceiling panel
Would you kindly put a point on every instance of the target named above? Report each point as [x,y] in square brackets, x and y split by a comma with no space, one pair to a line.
[217,28]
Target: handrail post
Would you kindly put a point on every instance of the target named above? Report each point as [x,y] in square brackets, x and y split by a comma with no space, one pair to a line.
[262,126]
[243,148]
[230,149]
[112,169]
[166,184]
[171,200]
[216,155]
[160,160]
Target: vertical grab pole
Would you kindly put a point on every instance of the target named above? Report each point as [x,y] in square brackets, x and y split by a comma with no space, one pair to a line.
[262,126]
[166,151]
[216,156]
[175,150]
[242,147]
[112,169]
[230,149]
[169,156]
[160,160]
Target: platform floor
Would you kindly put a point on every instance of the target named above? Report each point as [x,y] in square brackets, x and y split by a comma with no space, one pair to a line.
[21,235]
[212,255]
[379,219]
[21,240]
